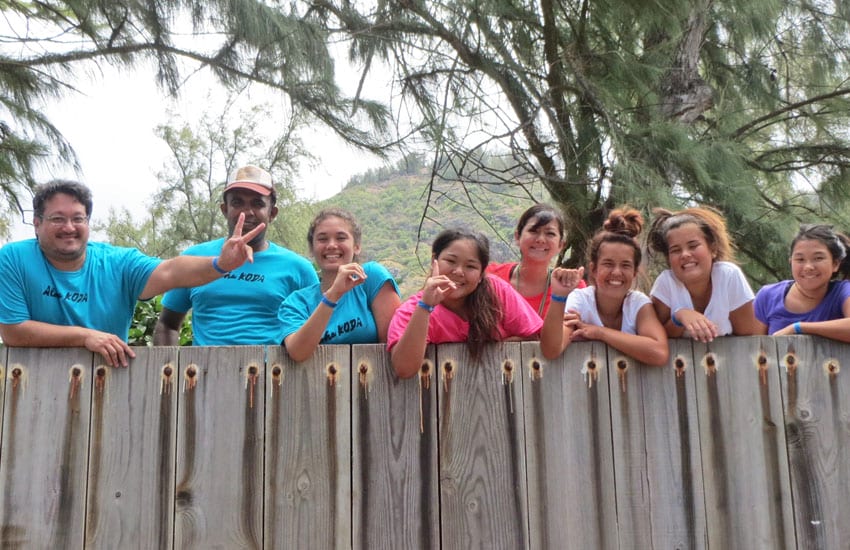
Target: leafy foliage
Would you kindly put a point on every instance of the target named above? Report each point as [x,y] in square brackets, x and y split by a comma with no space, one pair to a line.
[46,46]
[144,321]
[389,204]
[741,105]
[186,209]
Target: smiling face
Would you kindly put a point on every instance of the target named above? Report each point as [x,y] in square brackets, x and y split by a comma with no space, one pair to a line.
[689,254]
[614,272]
[812,265]
[460,262]
[333,244]
[64,244]
[538,242]
[257,208]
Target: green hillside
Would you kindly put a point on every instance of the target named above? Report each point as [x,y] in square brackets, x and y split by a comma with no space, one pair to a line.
[390,208]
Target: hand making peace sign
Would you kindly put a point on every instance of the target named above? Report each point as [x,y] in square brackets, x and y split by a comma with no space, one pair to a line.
[236,250]
[436,286]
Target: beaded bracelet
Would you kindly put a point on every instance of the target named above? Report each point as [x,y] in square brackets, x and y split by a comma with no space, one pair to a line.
[218,267]
[327,302]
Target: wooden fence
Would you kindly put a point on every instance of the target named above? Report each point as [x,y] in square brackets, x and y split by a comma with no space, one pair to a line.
[741,444]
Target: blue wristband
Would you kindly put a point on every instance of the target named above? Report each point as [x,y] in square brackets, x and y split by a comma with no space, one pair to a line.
[425,306]
[328,302]
[797,328]
[559,299]
[676,321]
[218,267]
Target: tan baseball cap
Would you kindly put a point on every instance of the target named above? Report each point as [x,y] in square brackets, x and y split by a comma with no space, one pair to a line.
[251,178]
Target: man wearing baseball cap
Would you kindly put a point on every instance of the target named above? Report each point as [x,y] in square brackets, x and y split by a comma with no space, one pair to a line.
[241,307]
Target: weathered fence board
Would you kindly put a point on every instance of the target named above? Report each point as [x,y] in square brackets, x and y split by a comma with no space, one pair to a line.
[45,447]
[482,444]
[220,443]
[656,452]
[817,424]
[132,453]
[745,465]
[568,431]
[394,454]
[3,355]
[308,456]
[514,452]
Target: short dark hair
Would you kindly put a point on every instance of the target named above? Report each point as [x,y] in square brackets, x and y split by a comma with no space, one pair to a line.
[544,214]
[46,191]
[837,243]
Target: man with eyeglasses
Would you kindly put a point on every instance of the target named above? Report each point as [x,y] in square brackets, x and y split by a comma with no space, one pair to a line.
[241,307]
[60,290]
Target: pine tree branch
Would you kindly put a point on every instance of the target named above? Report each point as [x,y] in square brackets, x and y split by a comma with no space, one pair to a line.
[791,107]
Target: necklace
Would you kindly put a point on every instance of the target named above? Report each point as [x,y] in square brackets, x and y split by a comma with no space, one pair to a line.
[804,295]
[515,283]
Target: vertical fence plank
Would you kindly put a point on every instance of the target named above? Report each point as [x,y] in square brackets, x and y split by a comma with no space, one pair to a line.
[394,454]
[308,456]
[131,456]
[570,466]
[482,442]
[745,464]
[219,493]
[45,442]
[656,451]
[3,353]
[816,384]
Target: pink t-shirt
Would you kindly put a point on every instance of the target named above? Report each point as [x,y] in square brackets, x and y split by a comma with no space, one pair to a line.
[518,319]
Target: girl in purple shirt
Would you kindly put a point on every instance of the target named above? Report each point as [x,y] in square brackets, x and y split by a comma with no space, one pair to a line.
[817,300]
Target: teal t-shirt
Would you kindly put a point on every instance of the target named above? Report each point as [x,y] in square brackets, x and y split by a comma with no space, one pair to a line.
[241,307]
[102,295]
[351,322]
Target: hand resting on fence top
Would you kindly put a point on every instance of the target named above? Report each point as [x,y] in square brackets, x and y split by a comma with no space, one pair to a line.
[610,310]
[61,290]
[703,294]
[817,300]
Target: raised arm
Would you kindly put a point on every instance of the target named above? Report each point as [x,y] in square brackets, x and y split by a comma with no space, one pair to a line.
[407,355]
[556,331]
[301,344]
[186,271]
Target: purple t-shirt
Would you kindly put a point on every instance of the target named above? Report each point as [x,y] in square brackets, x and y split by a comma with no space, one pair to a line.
[770,305]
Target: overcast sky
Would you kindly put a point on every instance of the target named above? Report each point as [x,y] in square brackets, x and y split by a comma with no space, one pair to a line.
[111,125]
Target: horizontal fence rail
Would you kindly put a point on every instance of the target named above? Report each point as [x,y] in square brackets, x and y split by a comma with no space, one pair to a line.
[742,443]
